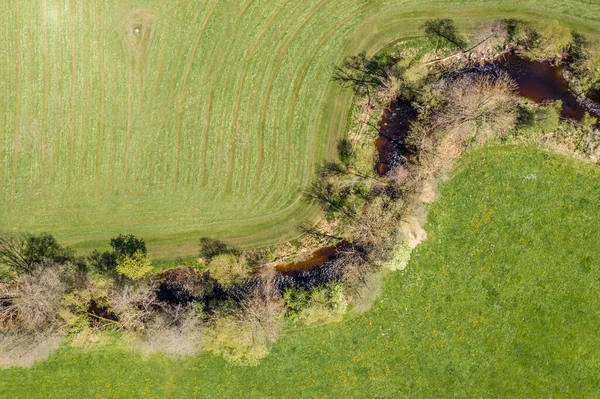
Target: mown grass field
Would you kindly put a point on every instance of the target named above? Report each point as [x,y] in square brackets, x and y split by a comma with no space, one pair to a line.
[500,301]
[188,118]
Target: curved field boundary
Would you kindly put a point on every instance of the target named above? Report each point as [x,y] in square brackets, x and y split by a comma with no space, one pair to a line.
[214,129]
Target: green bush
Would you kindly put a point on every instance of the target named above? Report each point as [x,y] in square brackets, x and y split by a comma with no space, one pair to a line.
[319,304]
[398,257]
[228,269]
[539,119]
[235,341]
[135,267]
[88,306]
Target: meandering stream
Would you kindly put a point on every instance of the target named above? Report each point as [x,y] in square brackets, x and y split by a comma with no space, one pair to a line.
[538,81]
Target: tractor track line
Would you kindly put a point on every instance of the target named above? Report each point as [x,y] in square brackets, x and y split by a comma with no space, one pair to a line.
[181,98]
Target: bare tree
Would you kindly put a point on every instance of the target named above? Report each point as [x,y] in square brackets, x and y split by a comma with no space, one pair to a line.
[482,105]
[134,305]
[331,197]
[13,253]
[263,310]
[354,267]
[365,75]
[37,298]
[375,221]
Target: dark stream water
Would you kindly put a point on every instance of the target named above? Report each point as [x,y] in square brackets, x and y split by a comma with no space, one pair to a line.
[543,82]
[540,82]
[318,258]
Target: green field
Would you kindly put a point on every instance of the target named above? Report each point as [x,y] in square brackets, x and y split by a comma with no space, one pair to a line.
[180,119]
[501,301]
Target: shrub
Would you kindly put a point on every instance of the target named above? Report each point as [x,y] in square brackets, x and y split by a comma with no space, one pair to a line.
[228,269]
[135,267]
[364,157]
[103,262]
[539,41]
[319,304]
[243,335]
[544,119]
[234,340]
[88,306]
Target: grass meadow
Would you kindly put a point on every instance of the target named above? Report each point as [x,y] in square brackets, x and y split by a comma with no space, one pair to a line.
[179,119]
[500,301]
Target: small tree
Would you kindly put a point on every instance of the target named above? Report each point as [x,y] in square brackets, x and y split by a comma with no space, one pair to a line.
[135,267]
[593,79]
[209,248]
[319,304]
[583,62]
[444,29]
[103,262]
[24,253]
[366,75]
[553,40]
[373,223]
[229,270]
[122,246]
[127,245]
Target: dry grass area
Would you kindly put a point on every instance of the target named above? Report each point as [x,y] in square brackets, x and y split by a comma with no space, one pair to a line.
[25,350]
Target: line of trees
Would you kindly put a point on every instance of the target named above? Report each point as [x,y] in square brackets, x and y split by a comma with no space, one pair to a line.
[228,304]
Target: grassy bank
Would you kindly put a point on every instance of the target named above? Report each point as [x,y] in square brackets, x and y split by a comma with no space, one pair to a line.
[500,301]
[189,118]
